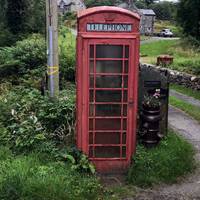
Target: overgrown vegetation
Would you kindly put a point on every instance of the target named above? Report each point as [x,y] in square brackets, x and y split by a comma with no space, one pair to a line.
[190,109]
[186,57]
[67,43]
[164,164]
[187,91]
[189,18]
[35,177]
[33,122]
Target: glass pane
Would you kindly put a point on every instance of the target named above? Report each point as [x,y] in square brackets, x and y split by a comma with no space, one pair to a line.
[91,110]
[91,138]
[91,51]
[125,81]
[124,110]
[126,67]
[108,96]
[91,152]
[124,138]
[108,110]
[91,66]
[91,124]
[107,138]
[124,152]
[107,152]
[91,95]
[109,81]
[127,52]
[109,51]
[107,124]
[109,66]
[124,124]
[91,81]
[125,96]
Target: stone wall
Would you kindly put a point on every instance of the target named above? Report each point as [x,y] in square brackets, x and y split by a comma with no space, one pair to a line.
[180,78]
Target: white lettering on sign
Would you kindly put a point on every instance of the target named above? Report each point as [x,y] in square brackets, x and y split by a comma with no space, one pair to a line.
[110,27]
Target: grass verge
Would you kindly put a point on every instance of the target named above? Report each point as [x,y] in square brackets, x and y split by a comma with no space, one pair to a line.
[173,158]
[191,110]
[187,91]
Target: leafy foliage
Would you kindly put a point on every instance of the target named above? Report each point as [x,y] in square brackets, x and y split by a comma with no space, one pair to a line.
[26,55]
[174,157]
[189,17]
[164,10]
[18,18]
[31,121]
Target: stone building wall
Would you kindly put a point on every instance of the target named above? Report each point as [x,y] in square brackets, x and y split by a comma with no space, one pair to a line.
[180,78]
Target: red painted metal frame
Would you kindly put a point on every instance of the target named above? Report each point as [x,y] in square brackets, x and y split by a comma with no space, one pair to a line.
[84,40]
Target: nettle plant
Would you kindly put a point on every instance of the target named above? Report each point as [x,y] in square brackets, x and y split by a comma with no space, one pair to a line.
[31,122]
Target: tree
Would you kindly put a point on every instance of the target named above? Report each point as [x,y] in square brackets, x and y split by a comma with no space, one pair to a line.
[91,3]
[188,16]
[18,18]
[143,4]
[164,10]
[15,14]
[35,18]
[140,4]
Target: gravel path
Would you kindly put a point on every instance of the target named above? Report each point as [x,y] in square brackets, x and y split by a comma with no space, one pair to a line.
[189,188]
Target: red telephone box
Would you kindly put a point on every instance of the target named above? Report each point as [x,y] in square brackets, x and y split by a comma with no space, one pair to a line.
[107,82]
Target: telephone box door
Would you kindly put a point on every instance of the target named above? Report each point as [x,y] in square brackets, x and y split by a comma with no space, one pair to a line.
[111,101]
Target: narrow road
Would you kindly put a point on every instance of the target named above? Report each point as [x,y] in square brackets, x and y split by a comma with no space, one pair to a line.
[189,188]
[185,98]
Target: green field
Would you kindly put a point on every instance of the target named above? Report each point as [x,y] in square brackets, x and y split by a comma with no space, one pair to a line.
[186,58]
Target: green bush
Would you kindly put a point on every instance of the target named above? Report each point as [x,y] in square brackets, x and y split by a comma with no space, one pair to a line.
[31,120]
[27,55]
[34,178]
[26,61]
[31,53]
[174,157]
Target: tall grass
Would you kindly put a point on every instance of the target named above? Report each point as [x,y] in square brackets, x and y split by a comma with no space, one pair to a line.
[33,178]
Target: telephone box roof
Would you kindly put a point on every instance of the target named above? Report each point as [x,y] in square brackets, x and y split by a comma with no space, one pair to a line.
[99,9]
